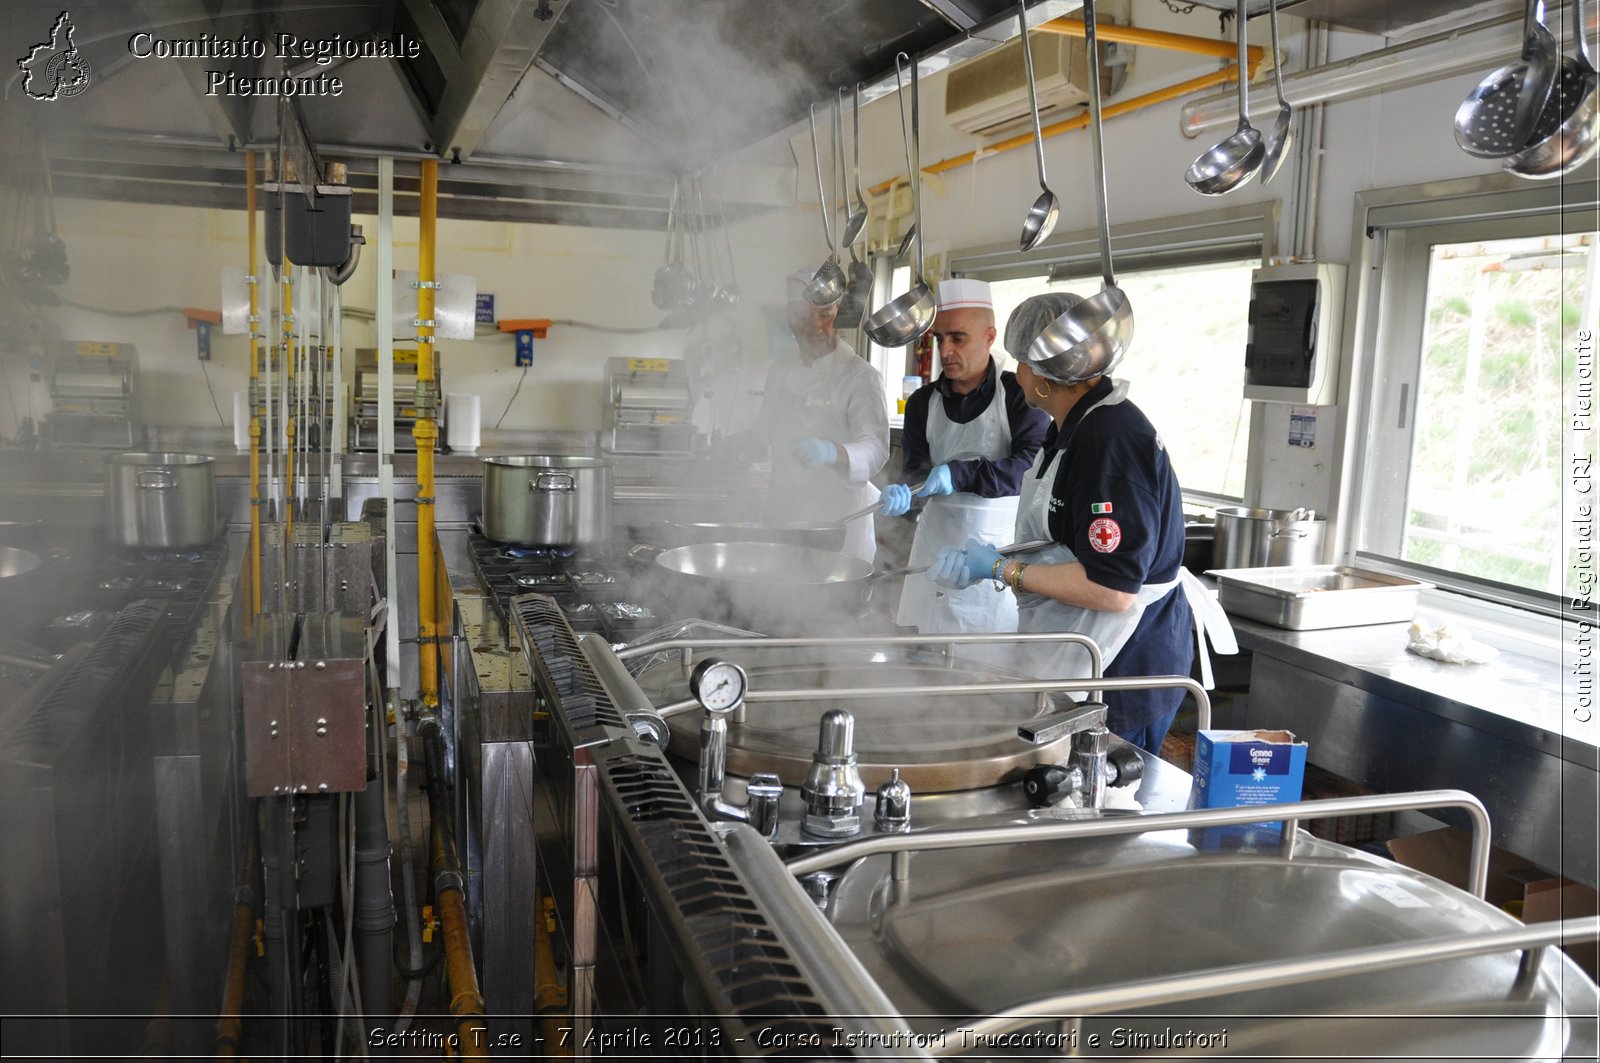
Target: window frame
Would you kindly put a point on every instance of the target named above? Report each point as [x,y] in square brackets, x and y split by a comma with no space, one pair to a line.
[1397,229]
[1231,234]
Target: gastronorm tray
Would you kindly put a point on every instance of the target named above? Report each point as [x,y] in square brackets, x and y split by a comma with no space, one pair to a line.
[1308,597]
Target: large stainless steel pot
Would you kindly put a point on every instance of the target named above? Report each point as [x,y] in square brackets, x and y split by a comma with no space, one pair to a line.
[547,500]
[774,588]
[161,501]
[1257,538]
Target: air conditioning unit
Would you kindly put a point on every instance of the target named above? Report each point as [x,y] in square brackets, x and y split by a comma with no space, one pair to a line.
[985,94]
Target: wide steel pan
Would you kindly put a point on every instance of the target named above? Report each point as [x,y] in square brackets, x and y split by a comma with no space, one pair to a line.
[768,587]
[821,535]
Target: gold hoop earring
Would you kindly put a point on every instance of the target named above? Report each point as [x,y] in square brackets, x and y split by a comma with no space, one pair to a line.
[1043,393]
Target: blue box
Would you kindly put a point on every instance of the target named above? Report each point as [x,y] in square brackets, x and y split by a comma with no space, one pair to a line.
[1240,768]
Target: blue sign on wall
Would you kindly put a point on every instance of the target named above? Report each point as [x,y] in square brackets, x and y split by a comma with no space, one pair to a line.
[485,313]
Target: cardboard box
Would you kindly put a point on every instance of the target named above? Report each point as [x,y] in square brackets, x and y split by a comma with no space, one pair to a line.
[1515,883]
[1445,854]
[1560,898]
[1240,768]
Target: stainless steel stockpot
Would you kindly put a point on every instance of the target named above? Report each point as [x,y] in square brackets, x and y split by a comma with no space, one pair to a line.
[161,501]
[547,500]
[1257,538]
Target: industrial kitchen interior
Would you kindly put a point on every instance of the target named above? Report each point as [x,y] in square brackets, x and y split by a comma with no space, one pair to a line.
[887,529]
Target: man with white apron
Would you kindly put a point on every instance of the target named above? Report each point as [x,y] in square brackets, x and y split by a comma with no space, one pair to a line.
[824,417]
[1104,492]
[970,435]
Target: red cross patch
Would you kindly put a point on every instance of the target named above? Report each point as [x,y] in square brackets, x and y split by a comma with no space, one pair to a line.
[1104,535]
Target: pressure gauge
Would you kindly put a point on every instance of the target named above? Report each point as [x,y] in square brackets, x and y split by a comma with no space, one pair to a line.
[718,685]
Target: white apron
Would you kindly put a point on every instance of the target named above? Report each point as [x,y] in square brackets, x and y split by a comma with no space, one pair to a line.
[949,520]
[814,401]
[1110,631]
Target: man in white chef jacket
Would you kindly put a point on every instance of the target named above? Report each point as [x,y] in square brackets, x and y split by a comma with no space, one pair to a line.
[971,436]
[824,416]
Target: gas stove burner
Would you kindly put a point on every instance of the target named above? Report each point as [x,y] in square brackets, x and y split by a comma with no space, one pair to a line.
[156,587]
[543,582]
[117,584]
[584,580]
[537,553]
[171,557]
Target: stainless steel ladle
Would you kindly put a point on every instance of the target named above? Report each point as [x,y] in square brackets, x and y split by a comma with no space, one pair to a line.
[1279,139]
[1233,162]
[903,320]
[1091,337]
[1041,219]
[828,285]
[858,213]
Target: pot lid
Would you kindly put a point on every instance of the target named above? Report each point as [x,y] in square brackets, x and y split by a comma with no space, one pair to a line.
[979,930]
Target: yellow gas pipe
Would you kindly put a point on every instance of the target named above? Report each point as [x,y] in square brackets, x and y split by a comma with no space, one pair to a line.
[425,431]
[255,412]
[1072,27]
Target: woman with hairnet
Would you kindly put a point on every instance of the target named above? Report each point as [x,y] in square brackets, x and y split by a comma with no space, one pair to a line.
[1104,492]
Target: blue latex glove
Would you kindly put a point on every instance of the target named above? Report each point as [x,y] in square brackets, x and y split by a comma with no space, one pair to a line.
[950,569]
[938,482]
[960,569]
[896,500]
[812,452]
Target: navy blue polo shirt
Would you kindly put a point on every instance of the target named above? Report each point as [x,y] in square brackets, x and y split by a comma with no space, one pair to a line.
[1116,502]
[980,476]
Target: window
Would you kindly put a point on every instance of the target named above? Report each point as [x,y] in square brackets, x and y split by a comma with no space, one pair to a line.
[1186,367]
[1477,358]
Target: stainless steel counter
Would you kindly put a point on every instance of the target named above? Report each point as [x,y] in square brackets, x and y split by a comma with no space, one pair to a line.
[1394,721]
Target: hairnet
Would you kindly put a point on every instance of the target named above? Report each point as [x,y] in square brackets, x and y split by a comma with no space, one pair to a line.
[1033,317]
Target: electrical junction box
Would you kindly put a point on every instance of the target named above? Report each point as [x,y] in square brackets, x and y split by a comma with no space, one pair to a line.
[1296,317]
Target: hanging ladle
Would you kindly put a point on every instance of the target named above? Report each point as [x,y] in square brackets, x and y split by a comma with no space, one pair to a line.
[1233,162]
[903,320]
[1090,338]
[828,285]
[1042,215]
[858,213]
[1567,135]
[1499,117]
[1278,140]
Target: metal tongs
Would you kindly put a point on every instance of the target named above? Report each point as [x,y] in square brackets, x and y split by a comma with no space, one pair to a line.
[864,510]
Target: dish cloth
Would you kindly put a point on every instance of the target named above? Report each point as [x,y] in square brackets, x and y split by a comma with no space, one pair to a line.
[1452,645]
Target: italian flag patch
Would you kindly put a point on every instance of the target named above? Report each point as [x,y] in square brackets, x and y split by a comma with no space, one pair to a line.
[1100,507]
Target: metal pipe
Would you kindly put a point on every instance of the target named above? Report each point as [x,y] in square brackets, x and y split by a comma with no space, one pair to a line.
[689,645]
[1115,110]
[1171,42]
[374,903]
[1021,686]
[841,983]
[426,431]
[253,325]
[385,327]
[1478,47]
[1199,985]
[229,1022]
[449,894]
[1477,869]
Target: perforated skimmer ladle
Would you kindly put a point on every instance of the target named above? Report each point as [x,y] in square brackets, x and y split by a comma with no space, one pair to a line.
[1233,162]
[1499,117]
[1042,215]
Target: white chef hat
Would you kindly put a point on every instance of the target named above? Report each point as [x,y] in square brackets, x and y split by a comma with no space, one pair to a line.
[965,292]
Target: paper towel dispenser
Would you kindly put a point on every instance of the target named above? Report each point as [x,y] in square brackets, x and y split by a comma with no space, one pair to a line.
[1292,352]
